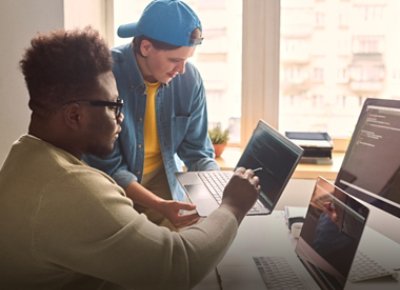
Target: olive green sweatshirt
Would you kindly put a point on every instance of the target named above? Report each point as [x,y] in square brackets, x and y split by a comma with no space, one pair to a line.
[65,225]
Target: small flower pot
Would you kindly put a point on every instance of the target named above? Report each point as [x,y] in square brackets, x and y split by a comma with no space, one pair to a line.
[219,148]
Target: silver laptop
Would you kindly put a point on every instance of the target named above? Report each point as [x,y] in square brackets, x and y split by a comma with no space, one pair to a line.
[274,158]
[328,241]
[324,252]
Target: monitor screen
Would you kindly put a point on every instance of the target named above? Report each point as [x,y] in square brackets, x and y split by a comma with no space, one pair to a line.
[371,166]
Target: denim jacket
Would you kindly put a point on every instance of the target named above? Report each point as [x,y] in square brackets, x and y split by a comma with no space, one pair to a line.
[181,121]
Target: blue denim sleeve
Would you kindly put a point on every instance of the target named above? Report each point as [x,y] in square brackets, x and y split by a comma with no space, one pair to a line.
[196,150]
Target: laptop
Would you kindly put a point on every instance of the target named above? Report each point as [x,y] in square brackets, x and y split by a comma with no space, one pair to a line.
[272,156]
[328,241]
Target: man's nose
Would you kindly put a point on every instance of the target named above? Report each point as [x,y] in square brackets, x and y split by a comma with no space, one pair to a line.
[181,68]
[120,118]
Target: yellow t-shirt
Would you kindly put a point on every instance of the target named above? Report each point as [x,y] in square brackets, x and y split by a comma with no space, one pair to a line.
[152,152]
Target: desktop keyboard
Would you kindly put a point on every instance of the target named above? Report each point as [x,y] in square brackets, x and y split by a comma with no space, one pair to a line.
[365,268]
[277,273]
[215,181]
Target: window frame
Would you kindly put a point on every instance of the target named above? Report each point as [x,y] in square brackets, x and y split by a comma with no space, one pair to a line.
[260,65]
[261,68]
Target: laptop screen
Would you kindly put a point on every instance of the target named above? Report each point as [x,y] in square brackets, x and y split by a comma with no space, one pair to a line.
[276,156]
[330,234]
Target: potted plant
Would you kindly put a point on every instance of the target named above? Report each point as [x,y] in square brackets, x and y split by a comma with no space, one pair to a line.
[219,139]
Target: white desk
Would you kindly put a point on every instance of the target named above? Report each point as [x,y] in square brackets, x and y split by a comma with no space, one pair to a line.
[269,236]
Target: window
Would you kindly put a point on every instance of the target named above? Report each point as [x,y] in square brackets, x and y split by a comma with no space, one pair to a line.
[298,64]
[349,58]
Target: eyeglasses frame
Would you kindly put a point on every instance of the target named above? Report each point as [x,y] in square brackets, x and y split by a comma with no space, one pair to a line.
[118,104]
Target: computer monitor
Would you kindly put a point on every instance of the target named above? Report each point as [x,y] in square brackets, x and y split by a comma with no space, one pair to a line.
[371,166]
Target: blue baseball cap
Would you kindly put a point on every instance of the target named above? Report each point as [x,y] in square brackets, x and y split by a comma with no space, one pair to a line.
[169,21]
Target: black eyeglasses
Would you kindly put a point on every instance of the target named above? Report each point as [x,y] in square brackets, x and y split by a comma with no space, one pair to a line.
[117,105]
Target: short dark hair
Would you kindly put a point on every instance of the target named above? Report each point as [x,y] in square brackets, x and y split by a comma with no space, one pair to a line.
[196,34]
[64,65]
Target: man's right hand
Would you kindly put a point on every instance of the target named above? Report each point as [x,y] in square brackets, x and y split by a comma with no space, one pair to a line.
[241,192]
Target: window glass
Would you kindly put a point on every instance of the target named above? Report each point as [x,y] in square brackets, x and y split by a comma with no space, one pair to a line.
[335,54]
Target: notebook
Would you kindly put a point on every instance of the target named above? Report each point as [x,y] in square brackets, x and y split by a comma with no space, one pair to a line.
[329,238]
[273,155]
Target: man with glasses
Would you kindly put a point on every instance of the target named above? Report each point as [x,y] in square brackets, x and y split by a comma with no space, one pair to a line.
[166,114]
[65,225]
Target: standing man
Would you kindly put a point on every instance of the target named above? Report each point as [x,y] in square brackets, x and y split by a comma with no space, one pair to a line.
[165,111]
[65,225]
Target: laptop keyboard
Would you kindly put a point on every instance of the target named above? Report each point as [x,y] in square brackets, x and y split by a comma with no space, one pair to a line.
[365,268]
[215,181]
[277,273]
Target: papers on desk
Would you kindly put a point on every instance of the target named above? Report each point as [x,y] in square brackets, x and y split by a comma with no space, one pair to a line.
[313,143]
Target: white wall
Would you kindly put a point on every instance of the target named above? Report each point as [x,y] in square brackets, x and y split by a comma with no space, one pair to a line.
[19,21]
[96,13]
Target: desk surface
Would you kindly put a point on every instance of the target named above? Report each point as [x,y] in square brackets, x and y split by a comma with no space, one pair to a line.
[269,236]
[231,155]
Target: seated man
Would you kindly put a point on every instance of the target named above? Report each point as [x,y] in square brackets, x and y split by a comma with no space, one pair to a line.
[65,225]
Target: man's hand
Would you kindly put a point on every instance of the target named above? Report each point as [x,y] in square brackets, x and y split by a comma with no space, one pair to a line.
[172,209]
[241,192]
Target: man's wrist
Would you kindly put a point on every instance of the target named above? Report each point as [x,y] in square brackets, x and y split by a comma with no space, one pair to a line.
[237,212]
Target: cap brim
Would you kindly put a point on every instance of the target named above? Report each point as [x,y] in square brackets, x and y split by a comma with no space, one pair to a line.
[127,30]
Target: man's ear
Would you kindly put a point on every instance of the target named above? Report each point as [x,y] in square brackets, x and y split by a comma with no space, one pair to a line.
[145,47]
[73,116]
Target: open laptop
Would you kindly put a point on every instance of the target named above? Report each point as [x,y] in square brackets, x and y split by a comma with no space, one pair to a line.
[274,158]
[328,241]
